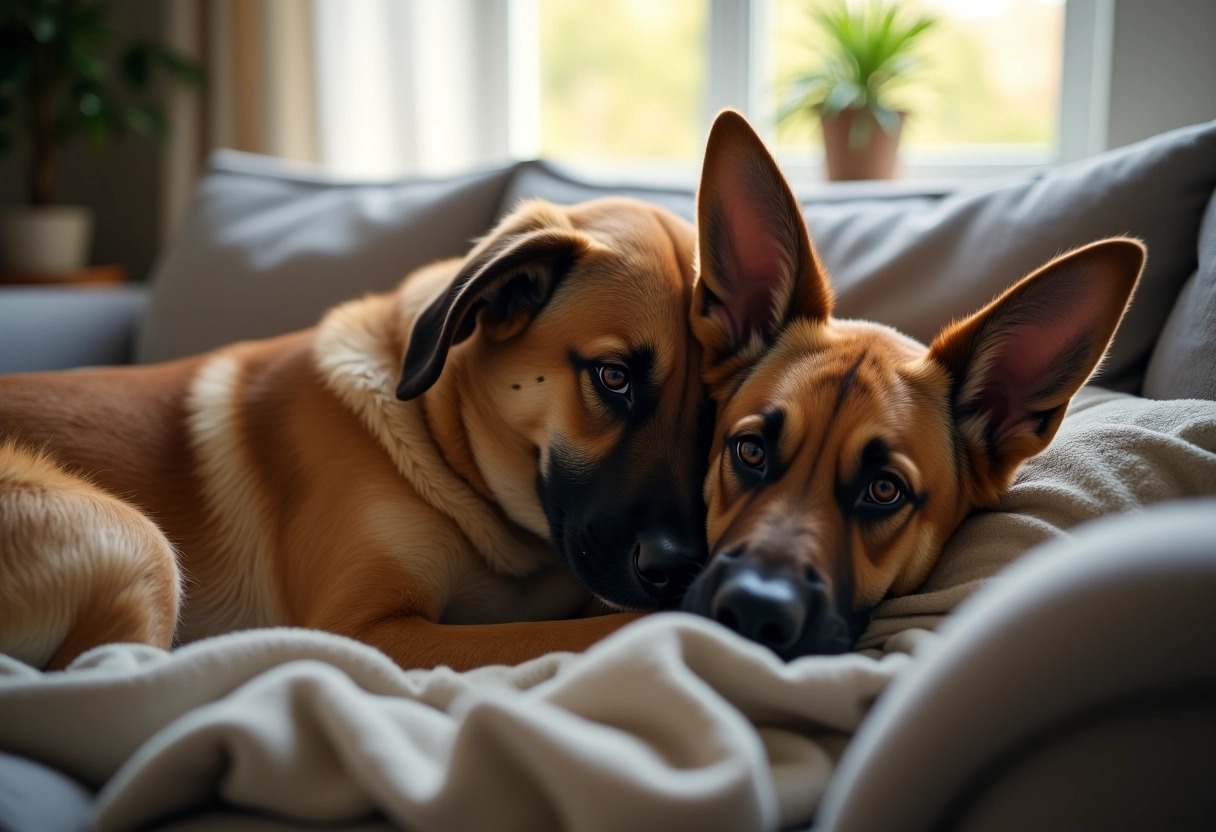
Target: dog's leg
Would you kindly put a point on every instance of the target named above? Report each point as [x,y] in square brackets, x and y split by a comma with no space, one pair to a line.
[78,567]
[413,641]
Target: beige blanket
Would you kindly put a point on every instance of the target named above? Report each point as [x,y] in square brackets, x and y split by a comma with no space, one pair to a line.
[673,723]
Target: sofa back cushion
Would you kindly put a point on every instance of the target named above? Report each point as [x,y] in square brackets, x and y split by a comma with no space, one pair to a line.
[267,246]
[1183,365]
[916,267]
[916,257]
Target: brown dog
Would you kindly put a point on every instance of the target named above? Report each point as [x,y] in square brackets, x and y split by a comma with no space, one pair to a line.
[540,448]
[845,452]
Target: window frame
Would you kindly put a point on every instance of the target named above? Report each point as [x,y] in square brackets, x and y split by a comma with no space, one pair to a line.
[736,78]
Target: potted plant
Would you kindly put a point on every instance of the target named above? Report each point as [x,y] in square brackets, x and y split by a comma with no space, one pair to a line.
[58,83]
[869,52]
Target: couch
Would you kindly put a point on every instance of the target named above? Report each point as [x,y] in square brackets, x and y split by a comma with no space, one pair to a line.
[1055,672]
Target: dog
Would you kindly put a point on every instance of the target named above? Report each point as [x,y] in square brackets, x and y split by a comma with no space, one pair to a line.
[845,453]
[452,472]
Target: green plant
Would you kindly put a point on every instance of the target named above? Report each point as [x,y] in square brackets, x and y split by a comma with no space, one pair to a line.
[869,51]
[58,82]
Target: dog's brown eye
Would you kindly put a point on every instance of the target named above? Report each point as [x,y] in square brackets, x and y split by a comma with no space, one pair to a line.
[751,451]
[615,378]
[885,491]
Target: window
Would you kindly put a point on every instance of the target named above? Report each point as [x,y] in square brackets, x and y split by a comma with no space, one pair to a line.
[615,80]
[621,79]
[991,77]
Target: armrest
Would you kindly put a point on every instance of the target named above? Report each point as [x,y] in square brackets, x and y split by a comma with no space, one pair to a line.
[1076,692]
[54,328]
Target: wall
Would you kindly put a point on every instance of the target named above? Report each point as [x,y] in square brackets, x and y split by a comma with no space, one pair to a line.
[1163,67]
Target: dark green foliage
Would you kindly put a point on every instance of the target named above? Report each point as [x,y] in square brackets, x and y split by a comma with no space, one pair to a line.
[66,73]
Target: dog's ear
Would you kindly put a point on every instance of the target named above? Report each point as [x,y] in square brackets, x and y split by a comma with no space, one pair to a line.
[1016,363]
[505,281]
[757,268]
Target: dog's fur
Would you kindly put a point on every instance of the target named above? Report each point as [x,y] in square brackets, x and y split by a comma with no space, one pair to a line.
[845,453]
[458,511]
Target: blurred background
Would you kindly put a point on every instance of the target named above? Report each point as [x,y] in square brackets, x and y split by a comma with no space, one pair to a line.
[389,88]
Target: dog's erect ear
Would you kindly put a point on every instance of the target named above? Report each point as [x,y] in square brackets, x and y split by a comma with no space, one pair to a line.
[757,268]
[502,285]
[1017,363]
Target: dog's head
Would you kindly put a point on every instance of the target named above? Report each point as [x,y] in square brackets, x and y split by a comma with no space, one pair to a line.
[561,364]
[845,453]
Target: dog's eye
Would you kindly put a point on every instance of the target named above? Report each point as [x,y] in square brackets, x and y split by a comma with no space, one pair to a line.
[884,490]
[750,450]
[615,378]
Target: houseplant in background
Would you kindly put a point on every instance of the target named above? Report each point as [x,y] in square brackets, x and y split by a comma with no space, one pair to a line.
[867,54]
[66,74]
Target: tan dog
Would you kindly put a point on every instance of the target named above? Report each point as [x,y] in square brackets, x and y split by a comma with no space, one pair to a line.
[540,448]
[845,453]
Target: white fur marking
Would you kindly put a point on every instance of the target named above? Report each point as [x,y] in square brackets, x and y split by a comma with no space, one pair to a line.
[238,507]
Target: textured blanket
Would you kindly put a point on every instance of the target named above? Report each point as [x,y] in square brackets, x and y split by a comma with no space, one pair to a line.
[672,723]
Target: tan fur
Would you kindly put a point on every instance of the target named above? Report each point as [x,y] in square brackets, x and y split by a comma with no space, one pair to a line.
[297,488]
[78,565]
[953,420]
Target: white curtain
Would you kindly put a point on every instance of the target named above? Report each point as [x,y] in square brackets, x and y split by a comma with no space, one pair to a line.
[411,86]
[367,88]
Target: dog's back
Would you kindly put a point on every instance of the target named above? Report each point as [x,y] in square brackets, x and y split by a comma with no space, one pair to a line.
[122,427]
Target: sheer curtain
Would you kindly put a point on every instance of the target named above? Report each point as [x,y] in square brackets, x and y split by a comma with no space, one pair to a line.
[366,88]
[410,86]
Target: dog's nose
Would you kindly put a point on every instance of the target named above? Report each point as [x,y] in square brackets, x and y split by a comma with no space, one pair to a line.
[769,609]
[665,564]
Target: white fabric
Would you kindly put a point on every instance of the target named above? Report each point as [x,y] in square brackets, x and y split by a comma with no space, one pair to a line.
[672,723]
[411,87]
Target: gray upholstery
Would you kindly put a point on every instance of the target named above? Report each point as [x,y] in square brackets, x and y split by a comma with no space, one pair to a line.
[916,256]
[265,249]
[1183,364]
[35,798]
[1088,645]
[54,328]
[916,266]
[543,180]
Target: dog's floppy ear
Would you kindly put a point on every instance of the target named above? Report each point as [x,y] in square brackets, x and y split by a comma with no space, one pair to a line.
[503,283]
[1017,362]
[757,268]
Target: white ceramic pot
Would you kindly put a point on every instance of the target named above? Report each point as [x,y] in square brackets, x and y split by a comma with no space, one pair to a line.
[48,239]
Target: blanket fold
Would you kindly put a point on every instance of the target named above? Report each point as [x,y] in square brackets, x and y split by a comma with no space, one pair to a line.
[671,722]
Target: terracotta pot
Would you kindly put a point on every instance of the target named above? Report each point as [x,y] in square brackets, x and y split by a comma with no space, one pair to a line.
[873,160]
[46,240]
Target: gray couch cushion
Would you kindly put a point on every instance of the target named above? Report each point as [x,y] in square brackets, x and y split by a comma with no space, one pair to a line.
[36,798]
[915,266]
[265,250]
[58,327]
[555,183]
[266,247]
[1183,366]
[915,256]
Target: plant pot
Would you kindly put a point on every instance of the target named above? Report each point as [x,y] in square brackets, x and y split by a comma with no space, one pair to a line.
[873,159]
[48,240]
